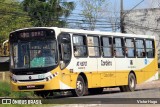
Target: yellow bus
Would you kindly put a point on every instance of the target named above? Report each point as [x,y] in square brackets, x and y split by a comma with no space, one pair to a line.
[48,59]
[4,48]
[4,56]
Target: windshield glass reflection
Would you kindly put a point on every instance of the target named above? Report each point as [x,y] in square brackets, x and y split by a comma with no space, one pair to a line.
[34,54]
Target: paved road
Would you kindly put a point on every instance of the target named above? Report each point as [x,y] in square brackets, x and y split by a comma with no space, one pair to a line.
[145,90]
[148,93]
[139,98]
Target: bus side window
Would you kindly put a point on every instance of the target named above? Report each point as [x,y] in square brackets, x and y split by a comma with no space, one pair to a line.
[130,47]
[79,45]
[76,51]
[143,54]
[106,43]
[119,47]
[93,46]
[150,50]
[140,49]
[65,52]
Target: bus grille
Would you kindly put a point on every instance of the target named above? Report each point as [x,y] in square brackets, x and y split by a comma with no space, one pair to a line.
[30,87]
[35,80]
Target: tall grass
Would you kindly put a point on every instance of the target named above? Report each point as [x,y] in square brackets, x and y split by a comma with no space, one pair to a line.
[5,91]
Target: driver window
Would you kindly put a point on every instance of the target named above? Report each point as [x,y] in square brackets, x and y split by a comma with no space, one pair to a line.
[64,42]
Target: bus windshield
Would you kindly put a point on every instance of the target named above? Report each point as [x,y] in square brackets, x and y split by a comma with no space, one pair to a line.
[33,54]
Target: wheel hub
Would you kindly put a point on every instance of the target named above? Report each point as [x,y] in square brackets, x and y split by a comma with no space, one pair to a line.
[79,86]
[132,82]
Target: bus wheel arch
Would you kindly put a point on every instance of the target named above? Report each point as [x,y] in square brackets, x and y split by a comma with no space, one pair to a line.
[134,75]
[131,84]
[81,85]
[86,82]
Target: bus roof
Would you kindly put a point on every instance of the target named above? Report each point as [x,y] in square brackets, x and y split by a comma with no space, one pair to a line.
[81,31]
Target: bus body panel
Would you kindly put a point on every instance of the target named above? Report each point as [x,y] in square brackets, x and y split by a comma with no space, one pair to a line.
[101,79]
[99,71]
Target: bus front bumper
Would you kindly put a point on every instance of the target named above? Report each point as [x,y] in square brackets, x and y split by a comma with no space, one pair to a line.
[34,86]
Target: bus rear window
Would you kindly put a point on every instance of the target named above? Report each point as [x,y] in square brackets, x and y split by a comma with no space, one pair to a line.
[150,48]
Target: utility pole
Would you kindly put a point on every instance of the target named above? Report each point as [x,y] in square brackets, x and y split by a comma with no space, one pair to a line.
[122,18]
[122,15]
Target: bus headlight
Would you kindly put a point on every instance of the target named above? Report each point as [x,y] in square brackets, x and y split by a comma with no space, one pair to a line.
[13,79]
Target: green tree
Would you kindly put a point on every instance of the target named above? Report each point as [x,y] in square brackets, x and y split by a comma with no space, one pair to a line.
[12,17]
[48,12]
[92,10]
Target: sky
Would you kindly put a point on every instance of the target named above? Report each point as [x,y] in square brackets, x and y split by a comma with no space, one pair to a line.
[128,4]
[114,6]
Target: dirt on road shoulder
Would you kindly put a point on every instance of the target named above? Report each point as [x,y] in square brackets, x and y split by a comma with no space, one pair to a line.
[149,85]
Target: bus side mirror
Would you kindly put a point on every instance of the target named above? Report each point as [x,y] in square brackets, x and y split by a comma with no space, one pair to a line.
[62,64]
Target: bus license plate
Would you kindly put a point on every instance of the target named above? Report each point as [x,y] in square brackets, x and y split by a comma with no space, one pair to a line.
[30,86]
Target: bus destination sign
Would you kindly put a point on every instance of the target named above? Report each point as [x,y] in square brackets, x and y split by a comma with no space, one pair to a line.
[33,34]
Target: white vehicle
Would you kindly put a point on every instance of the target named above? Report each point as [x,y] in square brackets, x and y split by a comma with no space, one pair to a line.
[79,60]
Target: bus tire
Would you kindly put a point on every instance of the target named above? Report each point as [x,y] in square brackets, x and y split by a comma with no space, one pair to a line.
[80,87]
[131,84]
[95,91]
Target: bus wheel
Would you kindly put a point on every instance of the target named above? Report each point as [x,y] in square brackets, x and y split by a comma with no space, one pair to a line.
[95,91]
[80,87]
[131,84]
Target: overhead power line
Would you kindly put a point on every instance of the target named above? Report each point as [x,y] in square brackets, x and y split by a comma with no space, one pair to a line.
[122,15]
[133,8]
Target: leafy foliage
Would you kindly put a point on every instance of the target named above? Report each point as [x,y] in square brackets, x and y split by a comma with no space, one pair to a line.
[48,12]
[5,91]
[15,15]
[92,10]
[12,17]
